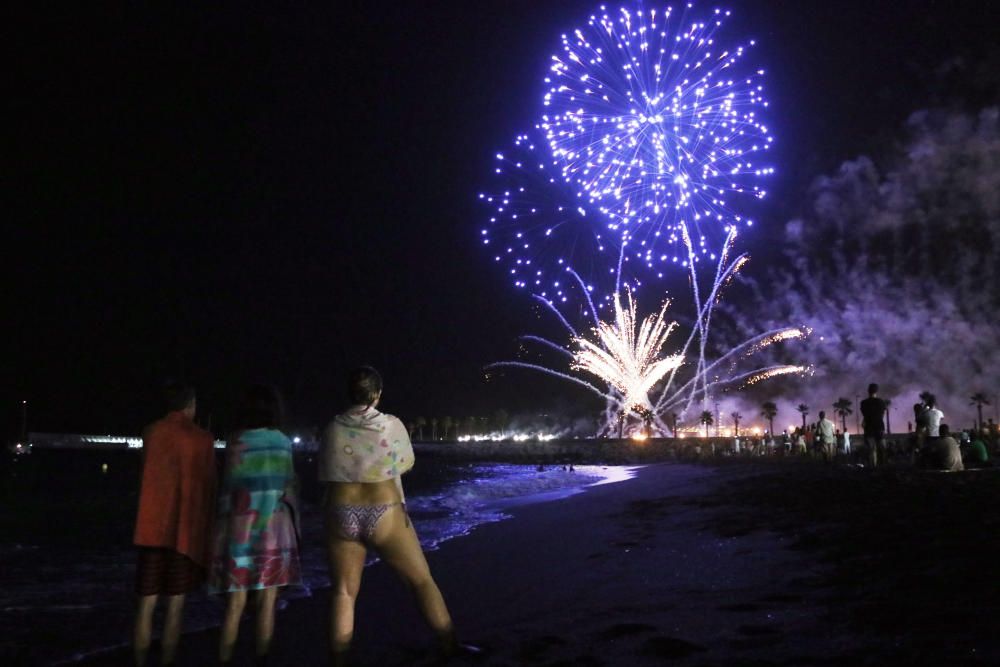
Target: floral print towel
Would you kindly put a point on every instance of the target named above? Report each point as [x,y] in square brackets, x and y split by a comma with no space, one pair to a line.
[365,445]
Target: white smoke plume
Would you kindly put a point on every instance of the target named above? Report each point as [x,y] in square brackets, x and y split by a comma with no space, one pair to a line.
[896,270]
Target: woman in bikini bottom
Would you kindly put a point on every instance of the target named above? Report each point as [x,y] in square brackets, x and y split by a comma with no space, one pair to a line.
[356,523]
[363,456]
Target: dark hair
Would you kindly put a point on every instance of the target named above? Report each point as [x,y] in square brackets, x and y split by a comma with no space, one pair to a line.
[944,430]
[872,389]
[177,396]
[822,415]
[261,407]
[364,385]
[931,401]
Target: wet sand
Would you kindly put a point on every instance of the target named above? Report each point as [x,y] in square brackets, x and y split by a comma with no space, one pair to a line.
[735,563]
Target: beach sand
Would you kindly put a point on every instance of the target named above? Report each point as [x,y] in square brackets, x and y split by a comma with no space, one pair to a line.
[739,563]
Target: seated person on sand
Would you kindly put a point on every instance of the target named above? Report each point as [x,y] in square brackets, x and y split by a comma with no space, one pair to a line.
[942,452]
[978,456]
[362,457]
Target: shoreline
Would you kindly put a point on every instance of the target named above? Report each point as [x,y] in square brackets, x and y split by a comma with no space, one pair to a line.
[489,574]
[773,563]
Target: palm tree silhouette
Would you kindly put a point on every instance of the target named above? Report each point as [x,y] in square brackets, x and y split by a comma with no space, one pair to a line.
[843,408]
[769,411]
[804,409]
[447,423]
[706,419]
[736,423]
[420,423]
[888,402]
[979,400]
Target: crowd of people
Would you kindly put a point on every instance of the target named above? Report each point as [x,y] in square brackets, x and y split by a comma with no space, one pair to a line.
[240,537]
[930,443]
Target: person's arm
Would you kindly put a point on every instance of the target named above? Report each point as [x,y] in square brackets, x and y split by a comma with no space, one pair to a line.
[403,448]
[290,493]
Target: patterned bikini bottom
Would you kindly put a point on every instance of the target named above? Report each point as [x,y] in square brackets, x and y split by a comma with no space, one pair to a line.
[357,523]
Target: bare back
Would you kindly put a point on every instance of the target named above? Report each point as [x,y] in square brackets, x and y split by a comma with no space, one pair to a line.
[363,493]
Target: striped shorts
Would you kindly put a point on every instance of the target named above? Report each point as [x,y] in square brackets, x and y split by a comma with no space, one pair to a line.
[162,571]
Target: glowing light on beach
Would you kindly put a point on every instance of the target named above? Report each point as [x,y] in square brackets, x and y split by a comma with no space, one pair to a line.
[504,437]
[639,436]
[627,355]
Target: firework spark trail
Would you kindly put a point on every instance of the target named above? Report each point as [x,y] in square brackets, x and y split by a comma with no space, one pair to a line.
[656,122]
[547,343]
[653,119]
[548,371]
[723,274]
[652,125]
[746,348]
[698,385]
[562,318]
[626,358]
[772,371]
[916,308]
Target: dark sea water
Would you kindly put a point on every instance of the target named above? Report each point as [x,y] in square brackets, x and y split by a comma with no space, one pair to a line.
[67,564]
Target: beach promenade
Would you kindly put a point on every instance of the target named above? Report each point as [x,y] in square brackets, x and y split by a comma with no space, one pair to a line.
[739,563]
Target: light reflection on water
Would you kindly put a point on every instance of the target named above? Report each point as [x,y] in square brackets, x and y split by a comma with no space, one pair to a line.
[46,588]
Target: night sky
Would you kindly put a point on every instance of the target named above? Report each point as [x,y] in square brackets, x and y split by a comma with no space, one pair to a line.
[244,194]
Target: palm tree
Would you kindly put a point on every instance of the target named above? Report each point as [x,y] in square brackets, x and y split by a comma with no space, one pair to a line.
[706,419]
[768,410]
[736,423]
[434,428]
[673,422]
[447,423]
[888,402]
[804,409]
[843,408]
[420,423]
[979,400]
[647,419]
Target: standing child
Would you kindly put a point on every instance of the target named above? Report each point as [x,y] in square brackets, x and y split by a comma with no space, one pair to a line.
[256,543]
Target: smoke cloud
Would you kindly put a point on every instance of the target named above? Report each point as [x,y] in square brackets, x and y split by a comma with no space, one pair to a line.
[895,269]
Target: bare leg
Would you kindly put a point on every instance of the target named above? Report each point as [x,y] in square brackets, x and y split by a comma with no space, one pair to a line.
[347,561]
[143,631]
[172,628]
[231,625]
[265,619]
[397,543]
